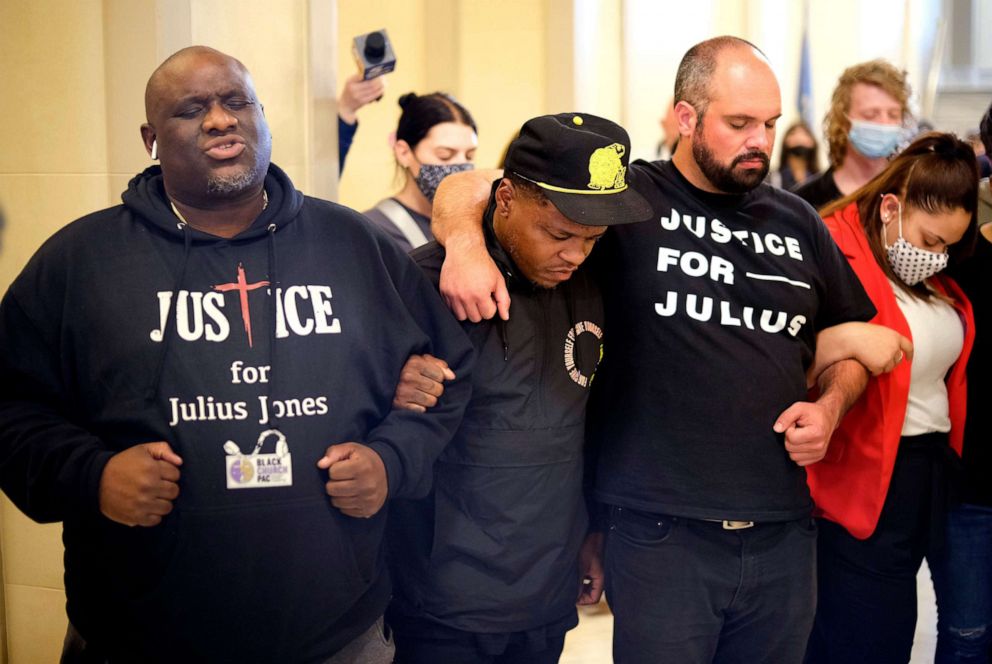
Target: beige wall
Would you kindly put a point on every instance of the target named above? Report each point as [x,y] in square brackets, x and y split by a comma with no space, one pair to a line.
[53,167]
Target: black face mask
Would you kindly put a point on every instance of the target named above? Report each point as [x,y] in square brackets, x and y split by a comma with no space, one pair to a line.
[800,151]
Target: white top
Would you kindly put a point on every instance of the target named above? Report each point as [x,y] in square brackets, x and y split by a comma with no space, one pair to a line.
[938,337]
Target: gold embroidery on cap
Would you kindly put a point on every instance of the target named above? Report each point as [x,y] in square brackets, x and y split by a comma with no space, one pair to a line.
[606,171]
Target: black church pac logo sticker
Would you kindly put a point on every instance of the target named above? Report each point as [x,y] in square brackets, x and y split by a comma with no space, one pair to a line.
[259,470]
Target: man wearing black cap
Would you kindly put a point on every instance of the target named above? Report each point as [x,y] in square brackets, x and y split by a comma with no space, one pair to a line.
[486,568]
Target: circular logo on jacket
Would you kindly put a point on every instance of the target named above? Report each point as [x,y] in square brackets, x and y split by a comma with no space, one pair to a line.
[582,372]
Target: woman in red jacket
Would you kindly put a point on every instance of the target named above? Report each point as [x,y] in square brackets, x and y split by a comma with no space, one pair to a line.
[881,491]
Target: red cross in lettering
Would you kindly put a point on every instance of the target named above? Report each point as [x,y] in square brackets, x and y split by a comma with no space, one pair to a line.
[242,286]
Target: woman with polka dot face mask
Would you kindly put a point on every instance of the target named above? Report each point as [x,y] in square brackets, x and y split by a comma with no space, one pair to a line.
[913,263]
[882,491]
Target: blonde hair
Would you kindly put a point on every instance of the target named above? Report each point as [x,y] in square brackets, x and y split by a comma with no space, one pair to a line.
[836,124]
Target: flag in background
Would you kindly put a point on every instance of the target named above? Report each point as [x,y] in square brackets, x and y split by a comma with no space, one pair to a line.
[804,100]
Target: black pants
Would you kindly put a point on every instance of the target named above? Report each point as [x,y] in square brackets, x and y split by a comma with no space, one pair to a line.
[867,602]
[372,647]
[466,648]
[690,592]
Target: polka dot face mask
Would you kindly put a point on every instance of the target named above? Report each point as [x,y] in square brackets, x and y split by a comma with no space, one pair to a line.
[909,262]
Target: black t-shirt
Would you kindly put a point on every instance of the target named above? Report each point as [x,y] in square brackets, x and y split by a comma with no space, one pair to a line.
[819,190]
[975,278]
[712,311]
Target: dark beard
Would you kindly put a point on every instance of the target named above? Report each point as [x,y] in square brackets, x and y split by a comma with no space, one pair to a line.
[726,178]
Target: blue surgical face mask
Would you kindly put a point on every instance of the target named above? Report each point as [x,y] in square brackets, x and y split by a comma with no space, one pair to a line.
[874,140]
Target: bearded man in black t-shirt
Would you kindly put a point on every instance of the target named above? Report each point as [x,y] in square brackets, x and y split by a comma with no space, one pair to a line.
[701,410]
[700,407]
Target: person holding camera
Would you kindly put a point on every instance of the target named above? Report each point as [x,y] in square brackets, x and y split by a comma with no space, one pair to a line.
[356,93]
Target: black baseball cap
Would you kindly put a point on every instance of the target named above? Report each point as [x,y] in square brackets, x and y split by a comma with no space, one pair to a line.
[580,162]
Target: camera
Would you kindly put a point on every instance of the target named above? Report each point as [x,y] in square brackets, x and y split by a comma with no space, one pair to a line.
[374,54]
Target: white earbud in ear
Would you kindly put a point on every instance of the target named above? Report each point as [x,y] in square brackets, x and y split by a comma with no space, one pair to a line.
[154,150]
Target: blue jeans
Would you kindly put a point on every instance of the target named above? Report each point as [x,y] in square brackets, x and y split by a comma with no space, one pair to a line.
[962,579]
[690,592]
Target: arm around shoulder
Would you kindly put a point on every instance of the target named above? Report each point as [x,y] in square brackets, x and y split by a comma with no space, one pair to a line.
[459,204]
[471,284]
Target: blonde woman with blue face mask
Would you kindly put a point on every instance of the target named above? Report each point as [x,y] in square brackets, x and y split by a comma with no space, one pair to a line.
[882,491]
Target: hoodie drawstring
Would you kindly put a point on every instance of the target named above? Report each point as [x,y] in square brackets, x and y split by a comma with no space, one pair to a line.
[503,337]
[173,303]
[273,313]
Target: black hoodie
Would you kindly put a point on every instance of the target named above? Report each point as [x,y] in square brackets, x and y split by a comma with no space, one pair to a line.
[249,385]
[494,548]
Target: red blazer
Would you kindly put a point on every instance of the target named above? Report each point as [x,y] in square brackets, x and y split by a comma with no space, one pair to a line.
[849,485]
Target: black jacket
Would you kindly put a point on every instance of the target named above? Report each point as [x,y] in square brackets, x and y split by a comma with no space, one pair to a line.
[253,564]
[494,548]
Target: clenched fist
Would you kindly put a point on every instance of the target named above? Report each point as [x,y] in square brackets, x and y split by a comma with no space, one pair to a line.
[139,484]
[358,485]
